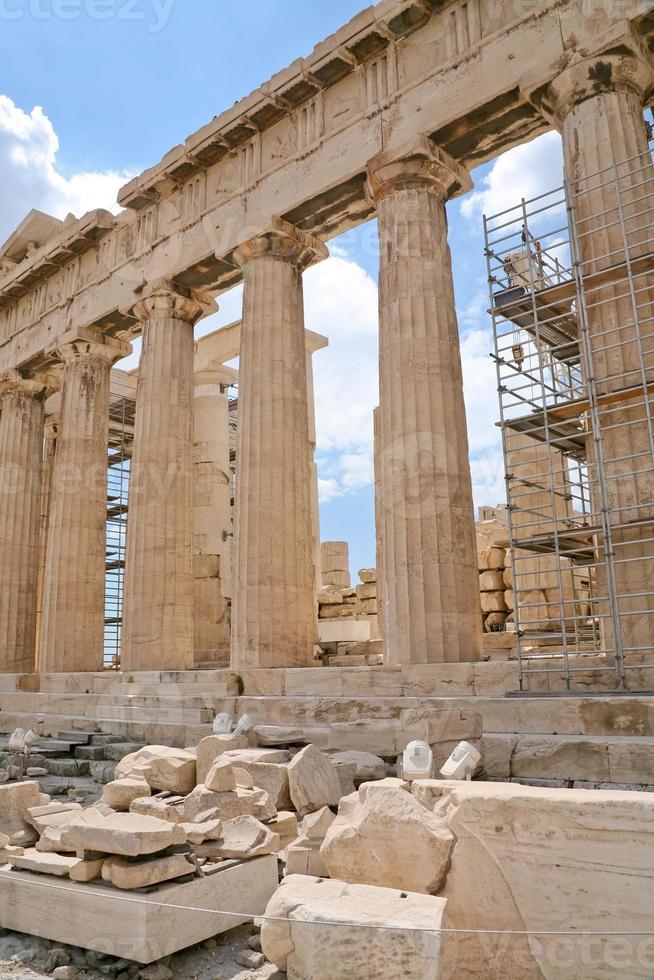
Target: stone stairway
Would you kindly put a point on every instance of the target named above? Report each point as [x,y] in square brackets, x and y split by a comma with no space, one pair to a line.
[585,738]
[75,764]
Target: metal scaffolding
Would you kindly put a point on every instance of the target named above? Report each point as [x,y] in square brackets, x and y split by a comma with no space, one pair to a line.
[571,281]
[122,408]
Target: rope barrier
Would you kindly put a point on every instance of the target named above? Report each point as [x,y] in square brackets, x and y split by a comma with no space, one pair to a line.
[116,895]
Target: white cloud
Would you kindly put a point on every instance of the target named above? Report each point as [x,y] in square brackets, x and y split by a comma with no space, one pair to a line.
[525,171]
[327,490]
[29,177]
[341,303]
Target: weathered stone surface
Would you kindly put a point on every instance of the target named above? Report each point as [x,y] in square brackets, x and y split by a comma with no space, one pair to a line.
[328,930]
[315,825]
[128,875]
[231,804]
[163,768]
[213,746]
[561,758]
[15,800]
[50,841]
[121,793]
[197,833]
[129,834]
[50,864]
[368,765]
[530,859]
[269,776]
[441,725]
[303,858]
[220,778]
[171,809]
[381,736]
[313,781]
[246,837]
[389,839]
[368,575]
[346,772]
[86,870]
[270,735]
[329,596]
[258,755]
[243,778]
[51,815]
[284,824]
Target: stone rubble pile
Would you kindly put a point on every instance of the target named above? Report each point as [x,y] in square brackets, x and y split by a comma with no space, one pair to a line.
[359,602]
[549,589]
[494,572]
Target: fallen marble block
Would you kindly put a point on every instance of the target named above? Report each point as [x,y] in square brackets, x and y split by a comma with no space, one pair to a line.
[86,870]
[231,804]
[128,834]
[386,837]
[129,875]
[272,777]
[368,765]
[52,815]
[198,833]
[321,930]
[121,793]
[15,800]
[211,748]
[50,841]
[313,781]
[171,809]
[246,837]
[270,735]
[163,768]
[284,824]
[549,861]
[49,864]
[220,778]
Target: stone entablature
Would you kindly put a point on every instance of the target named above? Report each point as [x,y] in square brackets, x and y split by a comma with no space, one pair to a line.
[297,147]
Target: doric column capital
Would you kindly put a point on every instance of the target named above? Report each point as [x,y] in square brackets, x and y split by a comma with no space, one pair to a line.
[617,64]
[284,242]
[107,350]
[219,374]
[165,299]
[38,386]
[421,165]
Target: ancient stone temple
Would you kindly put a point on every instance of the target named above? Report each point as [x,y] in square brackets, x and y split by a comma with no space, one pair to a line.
[175,637]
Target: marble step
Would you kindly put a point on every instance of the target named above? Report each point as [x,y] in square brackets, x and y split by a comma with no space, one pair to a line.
[602,715]
[623,760]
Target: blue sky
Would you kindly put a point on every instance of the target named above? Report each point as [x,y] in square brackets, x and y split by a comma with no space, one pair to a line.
[119,82]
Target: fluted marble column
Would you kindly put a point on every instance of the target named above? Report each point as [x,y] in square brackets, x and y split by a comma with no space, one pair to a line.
[21,467]
[597,103]
[212,515]
[273,612]
[72,625]
[158,594]
[431,583]
[49,454]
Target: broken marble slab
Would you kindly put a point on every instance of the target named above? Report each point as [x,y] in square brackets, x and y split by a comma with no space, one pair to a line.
[51,815]
[49,864]
[317,929]
[246,837]
[128,875]
[121,793]
[128,834]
